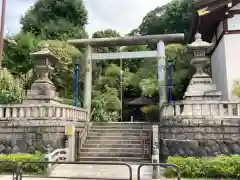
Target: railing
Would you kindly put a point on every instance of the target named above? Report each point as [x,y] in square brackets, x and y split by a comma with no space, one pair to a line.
[84,134]
[58,155]
[188,109]
[20,175]
[41,111]
[155,165]
[82,137]
[146,139]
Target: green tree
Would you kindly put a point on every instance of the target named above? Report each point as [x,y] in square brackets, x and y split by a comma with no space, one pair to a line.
[145,79]
[63,73]
[182,69]
[56,19]
[108,33]
[100,66]
[106,96]
[11,88]
[236,88]
[16,56]
[174,17]
[133,64]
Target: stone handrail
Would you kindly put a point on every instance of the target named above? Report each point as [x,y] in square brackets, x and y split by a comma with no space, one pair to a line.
[41,111]
[201,109]
[84,134]
[58,155]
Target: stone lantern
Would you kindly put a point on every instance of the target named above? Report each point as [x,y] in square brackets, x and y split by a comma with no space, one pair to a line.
[200,88]
[43,90]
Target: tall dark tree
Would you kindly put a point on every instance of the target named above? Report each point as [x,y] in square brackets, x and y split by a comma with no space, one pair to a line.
[173,17]
[100,66]
[106,34]
[16,56]
[56,19]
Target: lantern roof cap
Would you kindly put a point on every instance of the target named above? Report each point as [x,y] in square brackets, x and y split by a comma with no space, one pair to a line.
[199,43]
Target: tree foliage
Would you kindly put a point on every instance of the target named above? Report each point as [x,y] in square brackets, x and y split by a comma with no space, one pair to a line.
[107,94]
[182,70]
[236,88]
[55,19]
[11,88]
[174,17]
[63,73]
[145,79]
[16,56]
[100,66]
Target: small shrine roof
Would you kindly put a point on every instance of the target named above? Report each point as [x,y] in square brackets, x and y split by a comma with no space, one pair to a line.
[141,101]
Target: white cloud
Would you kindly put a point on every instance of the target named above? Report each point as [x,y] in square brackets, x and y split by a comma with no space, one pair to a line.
[14,10]
[121,15]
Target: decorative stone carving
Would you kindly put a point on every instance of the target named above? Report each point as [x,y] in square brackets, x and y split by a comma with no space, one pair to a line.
[201,88]
[43,90]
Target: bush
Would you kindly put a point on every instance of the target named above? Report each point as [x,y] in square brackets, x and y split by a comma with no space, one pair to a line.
[151,112]
[71,102]
[207,167]
[7,164]
[11,88]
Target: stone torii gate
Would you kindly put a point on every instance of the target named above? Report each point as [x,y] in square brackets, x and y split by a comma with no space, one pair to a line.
[160,40]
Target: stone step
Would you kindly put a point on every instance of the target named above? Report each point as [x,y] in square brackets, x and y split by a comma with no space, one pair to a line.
[111,159]
[117,138]
[121,127]
[111,154]
[112,145]
[122,124]
[114,133]
[114,150]
[132,131]
[111,142]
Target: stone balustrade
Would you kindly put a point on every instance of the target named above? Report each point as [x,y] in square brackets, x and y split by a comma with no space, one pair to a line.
[41,111]
[201,109]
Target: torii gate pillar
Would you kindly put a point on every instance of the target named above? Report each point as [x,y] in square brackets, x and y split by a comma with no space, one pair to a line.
[88,81]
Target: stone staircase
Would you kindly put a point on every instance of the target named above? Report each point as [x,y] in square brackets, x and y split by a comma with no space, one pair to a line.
[117,142]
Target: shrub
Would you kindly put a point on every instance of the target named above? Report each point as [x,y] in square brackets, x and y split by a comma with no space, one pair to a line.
[11,88]
[7,164]
[151,112]
[208,167]
[70,102]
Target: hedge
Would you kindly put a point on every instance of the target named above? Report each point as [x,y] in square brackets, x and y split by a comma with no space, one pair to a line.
[7,164]
[206,167]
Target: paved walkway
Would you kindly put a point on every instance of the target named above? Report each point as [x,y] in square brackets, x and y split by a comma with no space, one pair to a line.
[101,171]
[92,171]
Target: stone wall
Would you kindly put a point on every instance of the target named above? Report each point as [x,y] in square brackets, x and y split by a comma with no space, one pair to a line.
[32,137]
[199,137]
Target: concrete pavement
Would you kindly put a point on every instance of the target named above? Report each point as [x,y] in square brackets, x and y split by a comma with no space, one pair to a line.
[92,171]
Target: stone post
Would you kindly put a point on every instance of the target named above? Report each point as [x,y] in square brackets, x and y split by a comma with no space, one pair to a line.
[48,158]
[155,153]
[88,82]
[70,133]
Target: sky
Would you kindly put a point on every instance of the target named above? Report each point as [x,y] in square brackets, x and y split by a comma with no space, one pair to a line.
[120,15]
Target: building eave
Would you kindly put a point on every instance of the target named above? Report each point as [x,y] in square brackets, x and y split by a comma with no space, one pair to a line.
[208,22]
